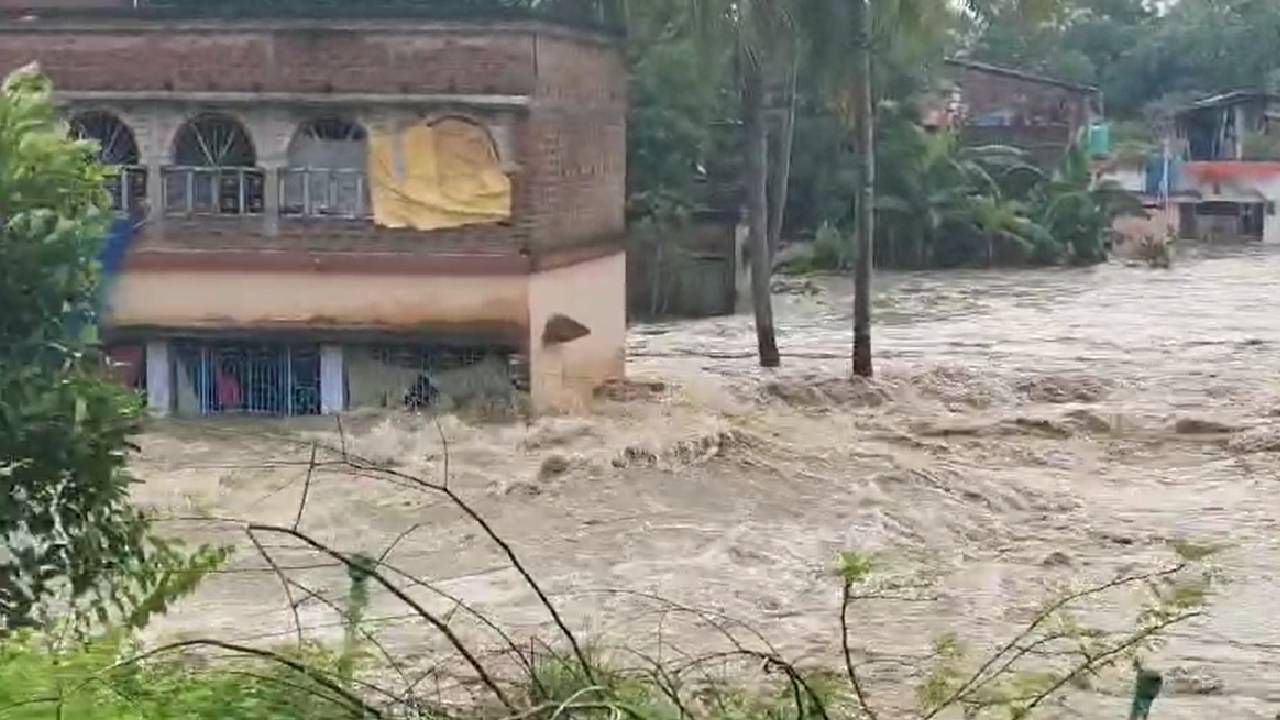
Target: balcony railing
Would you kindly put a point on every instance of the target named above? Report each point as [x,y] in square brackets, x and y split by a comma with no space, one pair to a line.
[325,193]
[127,188]
[213,191]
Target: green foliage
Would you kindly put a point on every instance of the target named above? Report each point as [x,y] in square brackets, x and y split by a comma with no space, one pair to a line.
[68,534]
[91,681]
[942,204]
[1057,651]
[854,567]
[1079,212]
[832,249]
[947,675]
[357,603]
[1136,53]
[675,102]
[1261,146]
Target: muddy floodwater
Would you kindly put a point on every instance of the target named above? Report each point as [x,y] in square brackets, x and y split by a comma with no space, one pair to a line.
[1028,431]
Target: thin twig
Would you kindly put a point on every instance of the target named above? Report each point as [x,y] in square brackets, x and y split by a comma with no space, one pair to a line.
[444,444]
[351,698]
[398,539]
[400,595]
[711,617]
[1105,658]
[368,635]
[284,582]
[850,670]
[966,686]
[663,680]
[306,488]
[493,535]
[484,619]
[285,683]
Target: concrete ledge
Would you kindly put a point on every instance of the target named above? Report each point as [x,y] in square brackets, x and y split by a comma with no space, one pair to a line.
[257,98]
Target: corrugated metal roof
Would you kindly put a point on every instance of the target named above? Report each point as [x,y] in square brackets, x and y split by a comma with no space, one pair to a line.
[1232,97]
[1019,74]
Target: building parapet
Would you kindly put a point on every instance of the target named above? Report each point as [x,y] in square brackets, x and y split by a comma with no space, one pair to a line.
[600,15]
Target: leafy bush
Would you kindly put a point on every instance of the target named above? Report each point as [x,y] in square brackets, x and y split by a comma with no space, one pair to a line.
[832,249]
[68,533]
[90,683]
[1261,146]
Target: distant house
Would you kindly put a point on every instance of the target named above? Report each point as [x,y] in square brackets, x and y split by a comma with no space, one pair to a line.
[1217,127]
[993,105]
[1226,189]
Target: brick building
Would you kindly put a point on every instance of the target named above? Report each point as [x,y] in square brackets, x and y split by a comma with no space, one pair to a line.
[993,105]
[332,205]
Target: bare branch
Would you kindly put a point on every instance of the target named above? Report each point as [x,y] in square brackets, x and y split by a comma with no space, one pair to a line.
[306,488]
[1091,663]
[493,535]
[354,701]
[368,636]
[484,619]
[1049,612]
[398,539]
[284,582]
[854,681]
[444,444]
[400,595]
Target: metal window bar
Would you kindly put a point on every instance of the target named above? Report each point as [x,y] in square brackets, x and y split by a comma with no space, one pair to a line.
[213,191]
[427,362]
[253,378]
[127,188]
[323,192]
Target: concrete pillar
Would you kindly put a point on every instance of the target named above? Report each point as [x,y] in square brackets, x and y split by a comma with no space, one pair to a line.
[333,387]
[159,378]
[155,156]
[271,200]
[155,197]
[1241,129]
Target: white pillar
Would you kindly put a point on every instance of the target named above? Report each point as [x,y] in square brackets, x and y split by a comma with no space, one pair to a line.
[159,374]
[333,391]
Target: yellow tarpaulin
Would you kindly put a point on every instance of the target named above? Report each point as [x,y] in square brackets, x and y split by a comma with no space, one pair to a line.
[436,176]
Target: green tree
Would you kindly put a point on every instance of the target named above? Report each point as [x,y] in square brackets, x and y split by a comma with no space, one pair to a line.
[944,204]
[846,39]
[67,530]
[760,37]
[1079,212]
[674,103]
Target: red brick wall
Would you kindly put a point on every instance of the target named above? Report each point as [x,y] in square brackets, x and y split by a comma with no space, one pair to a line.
[578,124]
[569,172]
[282,60]
[1034,103]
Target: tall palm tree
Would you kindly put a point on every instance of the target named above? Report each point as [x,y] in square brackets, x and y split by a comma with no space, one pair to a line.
[864,131]
[848,39]
[757,32]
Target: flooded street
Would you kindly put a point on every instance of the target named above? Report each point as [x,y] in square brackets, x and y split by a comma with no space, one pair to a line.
[1027,431]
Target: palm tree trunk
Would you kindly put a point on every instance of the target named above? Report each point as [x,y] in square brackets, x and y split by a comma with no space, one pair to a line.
[780,178]
[865,143]
[757,141]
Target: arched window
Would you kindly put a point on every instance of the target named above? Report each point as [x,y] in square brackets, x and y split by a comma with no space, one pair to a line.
[116,149]
[213,171]
[213,140]
[326,173]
